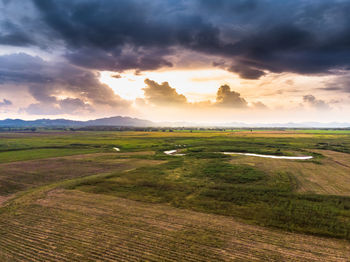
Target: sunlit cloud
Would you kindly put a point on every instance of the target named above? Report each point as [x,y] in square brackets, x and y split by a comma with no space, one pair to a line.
[292,64]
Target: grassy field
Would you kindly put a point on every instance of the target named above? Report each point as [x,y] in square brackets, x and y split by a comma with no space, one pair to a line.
[329,175]
[85,201]
[19,176]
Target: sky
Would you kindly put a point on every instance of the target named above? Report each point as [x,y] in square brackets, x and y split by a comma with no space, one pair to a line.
[205,61]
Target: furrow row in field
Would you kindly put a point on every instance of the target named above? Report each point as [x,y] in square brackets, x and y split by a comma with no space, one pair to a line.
[116,223]
[32,238]
[17,244]
[224,234]
[123,238]
[241,247]
[142,215]
[120,240]
[147,236]
[257,236]
[14,254]
[71,254]
[69,250]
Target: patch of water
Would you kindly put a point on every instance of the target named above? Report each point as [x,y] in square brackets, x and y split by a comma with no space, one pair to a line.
[271,156]
[172,153]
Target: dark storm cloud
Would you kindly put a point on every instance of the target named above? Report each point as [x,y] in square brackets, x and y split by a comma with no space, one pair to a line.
[57,107]
[73,104]
[19,24]
[340,83]
[316,103]
[114,35]
[128,34]
[119,59]
[5,102]
[14,36]
[47,82]
[229,7]
[23,69]
[253,37]
[245,71]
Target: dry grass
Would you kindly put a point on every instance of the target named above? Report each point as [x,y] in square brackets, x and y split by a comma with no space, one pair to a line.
[19,176]
[76,226]
[3,199]
[330,176]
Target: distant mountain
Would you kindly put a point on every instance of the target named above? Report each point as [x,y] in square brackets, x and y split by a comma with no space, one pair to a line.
[120,121]
[110,121]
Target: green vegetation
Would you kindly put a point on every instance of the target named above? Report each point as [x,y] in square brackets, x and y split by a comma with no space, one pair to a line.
[298,196]
[25,146]
[215,186]
[16,177]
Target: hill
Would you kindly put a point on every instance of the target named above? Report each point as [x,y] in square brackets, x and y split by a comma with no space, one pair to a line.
[110,121]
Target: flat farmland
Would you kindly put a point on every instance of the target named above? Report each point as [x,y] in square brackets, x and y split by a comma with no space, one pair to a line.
[85,201]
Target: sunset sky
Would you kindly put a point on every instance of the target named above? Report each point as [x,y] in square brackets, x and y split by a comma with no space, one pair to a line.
[211,61]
